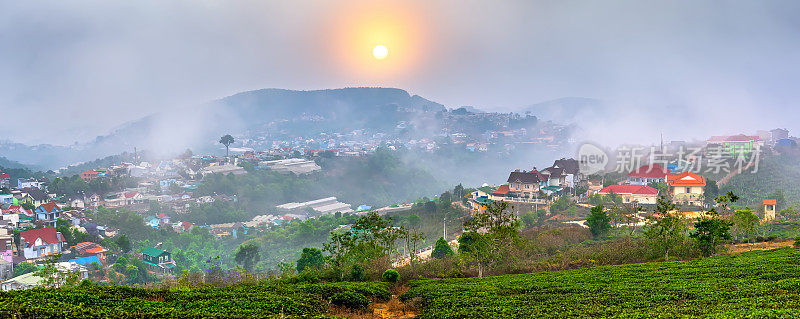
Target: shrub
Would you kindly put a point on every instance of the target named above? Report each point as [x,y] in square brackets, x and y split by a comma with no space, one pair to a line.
[797,242]
[357,273]
[442,249]
[350,300]
[391,275]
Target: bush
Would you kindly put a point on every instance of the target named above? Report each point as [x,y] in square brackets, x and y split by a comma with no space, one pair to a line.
[797,242]
[350,300]
[357,273]
[391,275]
[442,249]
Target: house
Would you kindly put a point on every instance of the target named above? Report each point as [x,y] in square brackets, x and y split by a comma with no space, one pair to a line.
[89,175]
[28,183]
[6,199]
[687,187]
[769,208]
[570,169]
[48,213]
[22,282]
[653,173]
[779,133]
[6,269]
[640,194]
[89,249]
[6,245]
[86,261]
[76,203]
[480,204]
[33,196]
[158,260]
[736,145]
[132,198]
[5,180]
[29,280]
[41,242]
[500,193]
[526,184]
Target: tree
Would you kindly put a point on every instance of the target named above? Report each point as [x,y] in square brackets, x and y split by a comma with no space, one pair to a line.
[247,255]
[414,220]
[709,232]
[489,236]
[744,223]
[536,218]
[311,258]
[710,191]
[667,231]
[226,140]
[24,268]
[124,243]
[598,221]
[442,249]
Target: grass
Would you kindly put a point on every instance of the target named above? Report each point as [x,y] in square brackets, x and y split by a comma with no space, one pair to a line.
[752,284]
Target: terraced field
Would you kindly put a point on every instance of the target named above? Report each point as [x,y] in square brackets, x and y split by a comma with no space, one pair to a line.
[757,284]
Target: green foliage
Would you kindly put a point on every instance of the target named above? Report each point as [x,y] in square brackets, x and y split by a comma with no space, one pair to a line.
[349,299]
[311,258]
[598,221]
[531,219]
[487,250]
[253,300]
[390,275]
[123,243]
[667,231]
[248,255]
[561,204]
[442,249]
[24,268]
[710,232]
[730,286]
[358,273]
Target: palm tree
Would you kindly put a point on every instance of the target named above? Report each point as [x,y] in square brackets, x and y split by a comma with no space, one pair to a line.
[226,140]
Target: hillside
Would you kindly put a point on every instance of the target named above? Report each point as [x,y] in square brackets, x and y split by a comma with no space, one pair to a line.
[774,173]
[199,126]
[253,300]
[753,284]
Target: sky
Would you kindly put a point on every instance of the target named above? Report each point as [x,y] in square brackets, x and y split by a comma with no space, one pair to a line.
[70,71]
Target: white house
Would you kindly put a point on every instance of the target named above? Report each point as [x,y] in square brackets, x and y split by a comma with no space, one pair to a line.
[41,242]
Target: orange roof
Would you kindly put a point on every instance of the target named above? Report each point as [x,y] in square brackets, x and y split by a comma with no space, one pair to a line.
[686,179]
[96,250]
[502,190]
[770,202]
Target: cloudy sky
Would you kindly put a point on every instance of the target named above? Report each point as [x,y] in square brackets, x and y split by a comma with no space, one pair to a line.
[72,70]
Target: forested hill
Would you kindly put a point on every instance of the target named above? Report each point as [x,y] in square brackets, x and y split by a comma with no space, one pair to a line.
[197,127]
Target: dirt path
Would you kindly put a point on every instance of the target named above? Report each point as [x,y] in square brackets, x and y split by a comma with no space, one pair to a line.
[740,248]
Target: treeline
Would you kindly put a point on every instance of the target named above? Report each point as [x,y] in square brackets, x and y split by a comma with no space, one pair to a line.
[378,179]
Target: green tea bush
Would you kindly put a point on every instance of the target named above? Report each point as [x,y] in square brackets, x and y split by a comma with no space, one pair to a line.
[350,300]
[390,275]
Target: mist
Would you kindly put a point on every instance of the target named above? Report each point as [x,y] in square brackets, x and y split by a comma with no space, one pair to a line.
[687,69]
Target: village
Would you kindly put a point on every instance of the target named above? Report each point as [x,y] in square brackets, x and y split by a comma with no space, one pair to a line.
[36,212]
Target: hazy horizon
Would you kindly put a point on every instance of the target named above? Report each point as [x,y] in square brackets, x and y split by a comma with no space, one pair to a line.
[715,68]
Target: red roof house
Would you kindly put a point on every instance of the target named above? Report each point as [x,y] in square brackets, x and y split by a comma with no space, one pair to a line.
[41,242]
[641,194]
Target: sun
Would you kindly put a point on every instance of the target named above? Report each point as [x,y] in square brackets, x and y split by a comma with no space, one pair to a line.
[380,52]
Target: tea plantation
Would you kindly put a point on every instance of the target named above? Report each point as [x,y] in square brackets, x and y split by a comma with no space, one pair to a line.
[754,284]
[262,300]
